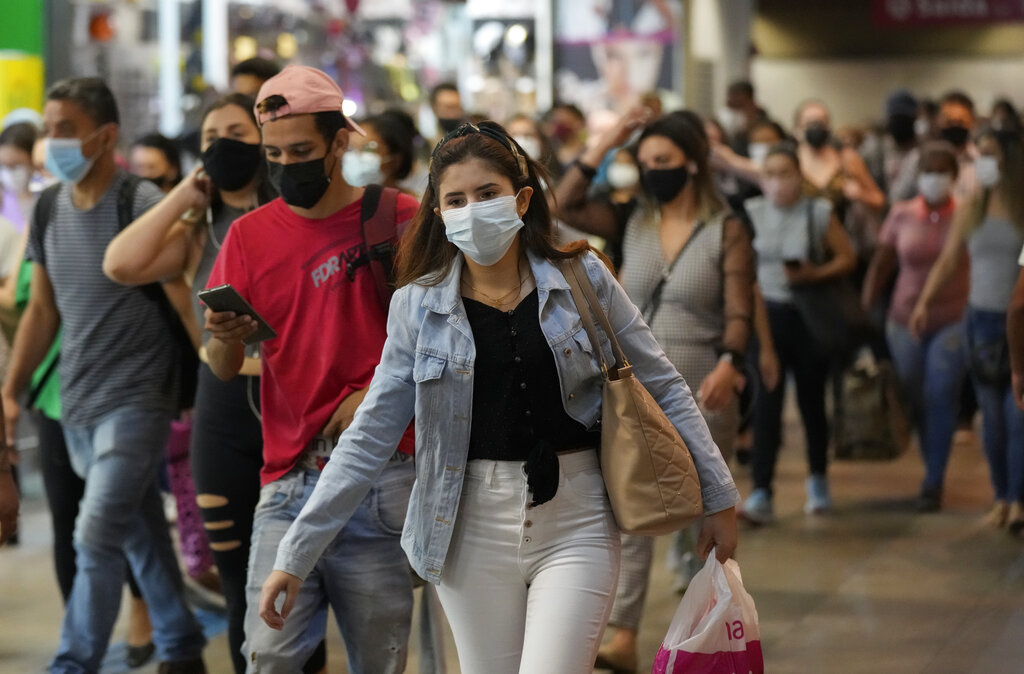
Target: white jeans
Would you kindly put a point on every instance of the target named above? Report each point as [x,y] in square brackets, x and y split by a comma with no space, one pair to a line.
[530,589]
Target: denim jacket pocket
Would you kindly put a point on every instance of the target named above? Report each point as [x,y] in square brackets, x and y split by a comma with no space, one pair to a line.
[427,367]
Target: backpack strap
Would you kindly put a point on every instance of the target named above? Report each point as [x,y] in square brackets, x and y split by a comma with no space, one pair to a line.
[379,212]
[125,216]
[188,359]
[126,200]
[43,211]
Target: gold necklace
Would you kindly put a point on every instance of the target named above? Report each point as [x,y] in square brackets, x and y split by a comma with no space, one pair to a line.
[500,301]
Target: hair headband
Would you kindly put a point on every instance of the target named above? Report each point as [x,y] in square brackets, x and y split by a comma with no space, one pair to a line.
[490,132]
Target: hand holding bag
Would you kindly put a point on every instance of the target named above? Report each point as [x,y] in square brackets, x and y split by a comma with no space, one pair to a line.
[831,309]
[648,472]
[715,628]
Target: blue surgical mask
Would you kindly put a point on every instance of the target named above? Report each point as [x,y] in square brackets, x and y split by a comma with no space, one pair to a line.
[64,158]
[360,168]
[483,230]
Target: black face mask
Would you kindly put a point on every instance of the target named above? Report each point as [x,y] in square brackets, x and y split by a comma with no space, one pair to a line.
[302,184]
[665,184]
[901,128]
[163,182]
[817,135]
[955,134]
[231,164]
[449,124]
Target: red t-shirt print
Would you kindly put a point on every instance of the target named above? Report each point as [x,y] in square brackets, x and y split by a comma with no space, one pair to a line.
[330,328]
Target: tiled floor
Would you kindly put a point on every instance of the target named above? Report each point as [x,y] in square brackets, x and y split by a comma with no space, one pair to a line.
[874,587]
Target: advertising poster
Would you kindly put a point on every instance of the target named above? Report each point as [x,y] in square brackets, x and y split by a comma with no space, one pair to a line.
[608,53]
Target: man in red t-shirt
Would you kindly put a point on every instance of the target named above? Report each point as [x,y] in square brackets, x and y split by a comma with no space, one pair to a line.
[302,264]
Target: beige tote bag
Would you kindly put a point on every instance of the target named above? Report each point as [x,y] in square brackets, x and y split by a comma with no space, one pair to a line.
[650,477]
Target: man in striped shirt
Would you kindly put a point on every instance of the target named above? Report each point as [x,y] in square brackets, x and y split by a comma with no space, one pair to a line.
[119,384]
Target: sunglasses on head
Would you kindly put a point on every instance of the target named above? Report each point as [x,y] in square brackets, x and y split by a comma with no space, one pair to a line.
[485,129]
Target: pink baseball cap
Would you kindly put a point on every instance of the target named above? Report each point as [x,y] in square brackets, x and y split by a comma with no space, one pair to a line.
[306,90]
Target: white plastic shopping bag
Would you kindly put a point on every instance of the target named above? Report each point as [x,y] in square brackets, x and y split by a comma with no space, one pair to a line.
[714,630]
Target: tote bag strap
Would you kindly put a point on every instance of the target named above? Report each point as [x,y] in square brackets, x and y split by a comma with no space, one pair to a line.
[586,302]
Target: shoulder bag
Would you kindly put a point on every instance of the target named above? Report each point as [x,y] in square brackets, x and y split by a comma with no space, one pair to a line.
[648,472]
[831,309]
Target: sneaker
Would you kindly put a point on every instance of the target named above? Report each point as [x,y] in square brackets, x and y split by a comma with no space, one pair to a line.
[758,507]
[138,656]
[195,666]
[929,500]
[818,500]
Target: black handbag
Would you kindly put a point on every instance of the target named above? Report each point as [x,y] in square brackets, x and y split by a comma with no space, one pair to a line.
[831,310]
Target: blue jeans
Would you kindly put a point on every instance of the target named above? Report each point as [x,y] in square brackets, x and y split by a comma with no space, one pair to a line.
[121,516]
[931,373]
[363,575]
[1002,420]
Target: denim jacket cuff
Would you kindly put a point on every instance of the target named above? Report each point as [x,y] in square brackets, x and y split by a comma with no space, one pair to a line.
[294,563]
[719,498]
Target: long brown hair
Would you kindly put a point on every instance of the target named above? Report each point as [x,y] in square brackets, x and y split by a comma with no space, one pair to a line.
[1011,168]
[425,255]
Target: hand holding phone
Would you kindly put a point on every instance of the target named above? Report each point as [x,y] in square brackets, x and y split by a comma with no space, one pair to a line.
[225,298]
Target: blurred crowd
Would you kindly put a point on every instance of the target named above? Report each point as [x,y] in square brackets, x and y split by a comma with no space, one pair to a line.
[763,254]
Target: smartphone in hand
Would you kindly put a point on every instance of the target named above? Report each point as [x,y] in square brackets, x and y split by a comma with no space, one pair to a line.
[226,298]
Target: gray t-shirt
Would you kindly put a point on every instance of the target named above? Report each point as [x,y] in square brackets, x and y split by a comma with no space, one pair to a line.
[780,234]
[216,231]
[993,247]
[116,349]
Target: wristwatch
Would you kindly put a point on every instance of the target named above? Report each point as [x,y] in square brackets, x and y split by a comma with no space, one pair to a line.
[734,358]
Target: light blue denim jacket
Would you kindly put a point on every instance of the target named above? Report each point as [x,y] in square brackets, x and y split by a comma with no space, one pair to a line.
[427,370]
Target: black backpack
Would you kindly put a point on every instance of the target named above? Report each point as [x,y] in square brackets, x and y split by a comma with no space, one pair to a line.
[186,358]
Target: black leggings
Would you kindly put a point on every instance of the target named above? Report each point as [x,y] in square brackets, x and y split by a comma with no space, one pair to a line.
[64,490]
[227,454]
[797,354]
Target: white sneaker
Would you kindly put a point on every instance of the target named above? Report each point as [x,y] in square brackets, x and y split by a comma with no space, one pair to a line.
[818,500]
[758,507]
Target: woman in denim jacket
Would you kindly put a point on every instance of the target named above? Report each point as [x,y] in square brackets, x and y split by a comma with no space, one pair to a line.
[509,515]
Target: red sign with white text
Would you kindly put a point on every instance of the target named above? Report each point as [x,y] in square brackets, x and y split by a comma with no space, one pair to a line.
[910,13]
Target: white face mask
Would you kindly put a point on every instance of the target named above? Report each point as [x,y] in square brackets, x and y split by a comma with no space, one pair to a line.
[758,152]
[935,187]
[732,120]
[921,127]
[622,176]
[15,178]
[530,145]
[360,169]
[483,230]
[986,168]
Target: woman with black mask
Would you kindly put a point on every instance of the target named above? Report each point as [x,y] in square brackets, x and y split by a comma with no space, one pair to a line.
[688,264]
[831,171]
[180,237]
